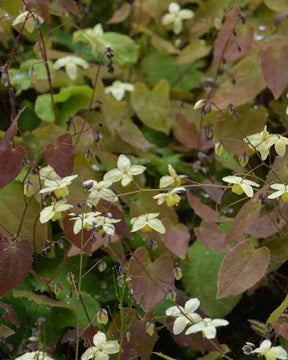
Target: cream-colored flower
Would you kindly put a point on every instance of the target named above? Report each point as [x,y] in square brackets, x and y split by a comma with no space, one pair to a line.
[282,191]
[99,190]
[101,349]
[207,327]
[147,223]
[53,211]
[32,21]
[92,36]
[261,142]
[71,63]
[107,224]
[48,173]
[175,16]
[240,185]
[85,221]
[58,186]
[173,179]
[171,197]
[270,352]
[125,171]
[118,89]
[34,355]
[184,316]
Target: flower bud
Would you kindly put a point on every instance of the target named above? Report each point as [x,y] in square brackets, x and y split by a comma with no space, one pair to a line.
[150,327]
[102,316]
[171,295]
[177,272]
[243,159]
[209,132]
[57,289]
[70,278]
[102,266]
[218,148]
[248,347]
[199,104]
[28,189]
[120,280]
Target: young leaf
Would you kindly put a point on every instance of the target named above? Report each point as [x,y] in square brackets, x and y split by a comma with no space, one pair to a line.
[150,281]
[152,107]
[211,236]
[120,14]
[242,268]
[15,263]
[11,159]
[274,66]
[176,239]
[61,156]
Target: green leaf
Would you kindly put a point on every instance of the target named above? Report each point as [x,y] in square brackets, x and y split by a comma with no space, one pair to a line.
[184,76]
[200,275]
[124,48]
[19,79]
[44,109]
[153,107]
[278,312]
[277,5]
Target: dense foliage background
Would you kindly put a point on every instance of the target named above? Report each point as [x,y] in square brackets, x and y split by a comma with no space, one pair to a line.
[230,249]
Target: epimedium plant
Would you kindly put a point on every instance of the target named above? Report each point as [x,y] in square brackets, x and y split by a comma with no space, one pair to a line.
[143,179]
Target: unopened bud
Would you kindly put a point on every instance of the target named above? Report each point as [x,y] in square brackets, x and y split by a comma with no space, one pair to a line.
[28,189]
[57,289]
[102,317]
[218,148]
[209,132]
[199,104]
[120,280]
[102,266]
[177,272]
[150,328]
[243,159]
[171,295]
[70,278]
[248,347]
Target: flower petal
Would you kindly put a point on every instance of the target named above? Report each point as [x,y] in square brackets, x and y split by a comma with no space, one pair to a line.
[136,169]
[276,194]
[123,163]
[247,189]
[186,14]
[167,19]
[90,353]
[174,311]
[174,8]
[112,176]
[209,332]
[157,225]
[99,339]
[180,324]
[46,214]
[112,347]
[279,352]
[220,322]
[192,305]
[195,328]
[178,26]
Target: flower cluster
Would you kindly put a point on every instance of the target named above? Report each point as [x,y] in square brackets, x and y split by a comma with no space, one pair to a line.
[186,316]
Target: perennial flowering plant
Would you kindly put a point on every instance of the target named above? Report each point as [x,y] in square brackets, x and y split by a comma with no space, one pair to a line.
[143,180]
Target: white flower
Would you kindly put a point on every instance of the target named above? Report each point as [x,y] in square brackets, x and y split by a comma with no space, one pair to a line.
[70,63]
[84,221]
[261,142]
[147,223]
[207,327]
[99,190]
[118,89]
[270,352]
[241,185]
[170,197]
[102,348]
[34,355]
[171,180]
[58,186]
[92,36]
[184,316]
[282,190]
[125,171]
[199,104]
[176,16]
[48,173]
[32,21]
[53,212]
[107,224]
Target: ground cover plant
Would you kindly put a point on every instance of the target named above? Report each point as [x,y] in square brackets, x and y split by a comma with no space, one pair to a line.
[143,179]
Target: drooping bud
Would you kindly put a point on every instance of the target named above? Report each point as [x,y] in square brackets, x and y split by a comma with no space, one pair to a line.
[70,278]
[102,266]
[102,316]
[57,289]
[199,104]
[150,328]
[177,272]
[120,280]
[209,132]
[248,347]
[171,295]
[243,159]
[218,148]
[28,189]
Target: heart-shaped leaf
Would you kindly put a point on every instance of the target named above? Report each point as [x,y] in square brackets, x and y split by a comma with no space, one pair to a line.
[242,268]
[61,156]
[150,281]
[15,263]
[152,107]
[176,238]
